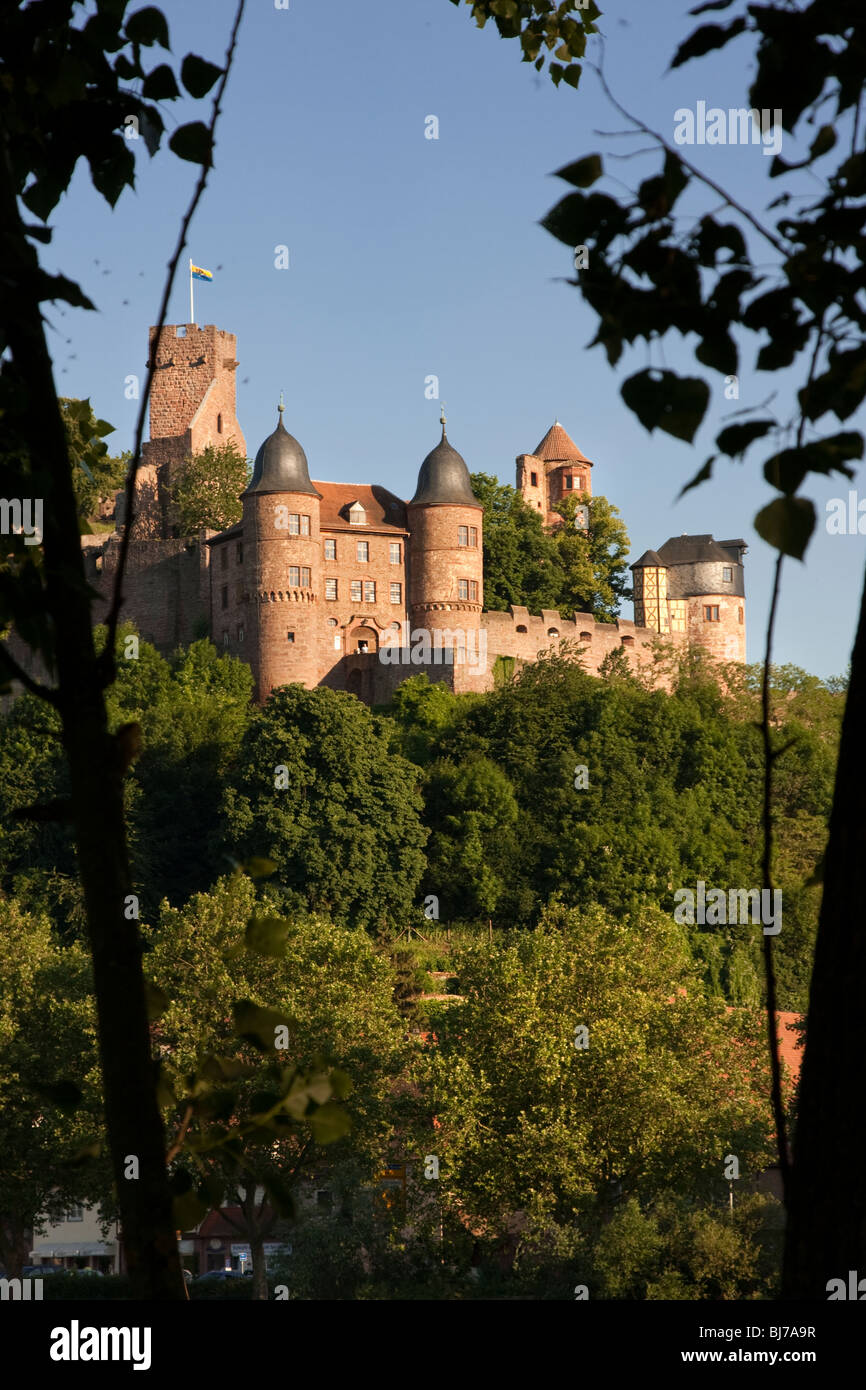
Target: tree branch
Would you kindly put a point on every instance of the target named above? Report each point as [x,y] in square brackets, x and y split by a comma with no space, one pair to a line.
[107,663]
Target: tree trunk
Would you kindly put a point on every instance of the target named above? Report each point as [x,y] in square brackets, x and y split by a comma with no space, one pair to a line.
[826,1232]
[96,771]
[14,1247]
[256,1231]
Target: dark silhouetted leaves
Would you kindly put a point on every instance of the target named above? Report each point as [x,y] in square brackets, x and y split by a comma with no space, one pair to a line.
[160,85]
[192,142]
[582,172]
[786,470]
[735,439]
[662,400]
[787,524]
[148,26]
[197,75]
[705,39]
[703,475]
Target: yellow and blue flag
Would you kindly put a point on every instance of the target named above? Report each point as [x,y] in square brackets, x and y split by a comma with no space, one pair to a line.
[198,274]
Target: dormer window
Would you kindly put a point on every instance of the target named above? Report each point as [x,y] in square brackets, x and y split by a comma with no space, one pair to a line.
[357,515]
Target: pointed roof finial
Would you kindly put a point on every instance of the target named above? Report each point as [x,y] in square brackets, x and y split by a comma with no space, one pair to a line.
[442,417]
[281,407]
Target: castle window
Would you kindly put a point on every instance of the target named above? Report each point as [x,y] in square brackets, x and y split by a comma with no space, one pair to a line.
[473,536]
[473,590]
[521,627]
[331,592]
[225,639]
[396,593]
[369,591]
[75,1213]
[569,482]
[224,596]
[395,552]
[533,479]
[332,622]
[355,590]
[239,552]
[305,525]
[294,524]
[290,636]
[711,612]
[727,574]
[357,515]
[628,641]
[330,550]
[219,424]
[180,331]
[741,615]
[553,632]
[305,576]
[462,535]
[462,588]
[294,576]
[224,558]
[363,552]
[240,634]
[586,637]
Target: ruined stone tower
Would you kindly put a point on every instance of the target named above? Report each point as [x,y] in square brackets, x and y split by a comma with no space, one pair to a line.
[192,405]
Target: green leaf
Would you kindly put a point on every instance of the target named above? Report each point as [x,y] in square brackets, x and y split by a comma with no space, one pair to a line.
[160,85]
[266,936]
[736,439]
[198,75]
[148,26]
[582,172]
[192,142]
[258,867]
[329,1123]
[787,524]
[663,400]
[188,1211]
[257,1025]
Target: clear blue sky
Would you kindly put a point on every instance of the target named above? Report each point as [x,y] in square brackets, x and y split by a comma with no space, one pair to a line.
[411,257]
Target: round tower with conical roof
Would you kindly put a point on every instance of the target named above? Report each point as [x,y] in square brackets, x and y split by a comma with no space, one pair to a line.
[446,582]
[283,560]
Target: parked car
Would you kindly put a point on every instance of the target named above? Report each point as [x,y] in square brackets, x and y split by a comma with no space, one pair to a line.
[37,1271]
[222,1274]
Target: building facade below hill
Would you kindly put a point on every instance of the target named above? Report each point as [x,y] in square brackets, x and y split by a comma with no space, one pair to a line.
[352,587]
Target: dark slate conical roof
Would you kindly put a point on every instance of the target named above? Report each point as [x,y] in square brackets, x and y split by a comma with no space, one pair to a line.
[443,479]
[649,560]
[281,465]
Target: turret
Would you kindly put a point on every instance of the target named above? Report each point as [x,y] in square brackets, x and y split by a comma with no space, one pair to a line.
[446,582]
[283,563]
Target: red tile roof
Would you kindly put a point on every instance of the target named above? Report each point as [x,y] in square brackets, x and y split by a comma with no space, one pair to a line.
[557,446]
[385,512]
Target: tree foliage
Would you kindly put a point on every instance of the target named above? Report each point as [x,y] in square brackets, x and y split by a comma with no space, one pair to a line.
[207,491]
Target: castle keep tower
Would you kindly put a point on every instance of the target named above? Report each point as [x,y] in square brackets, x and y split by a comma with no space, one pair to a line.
[556,469]
[192,405]
[282,564]
[446,583]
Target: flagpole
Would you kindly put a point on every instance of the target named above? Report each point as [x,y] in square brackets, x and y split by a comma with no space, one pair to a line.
[191,305]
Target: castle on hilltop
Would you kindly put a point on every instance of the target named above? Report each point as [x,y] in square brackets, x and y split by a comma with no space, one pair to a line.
[349,586]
